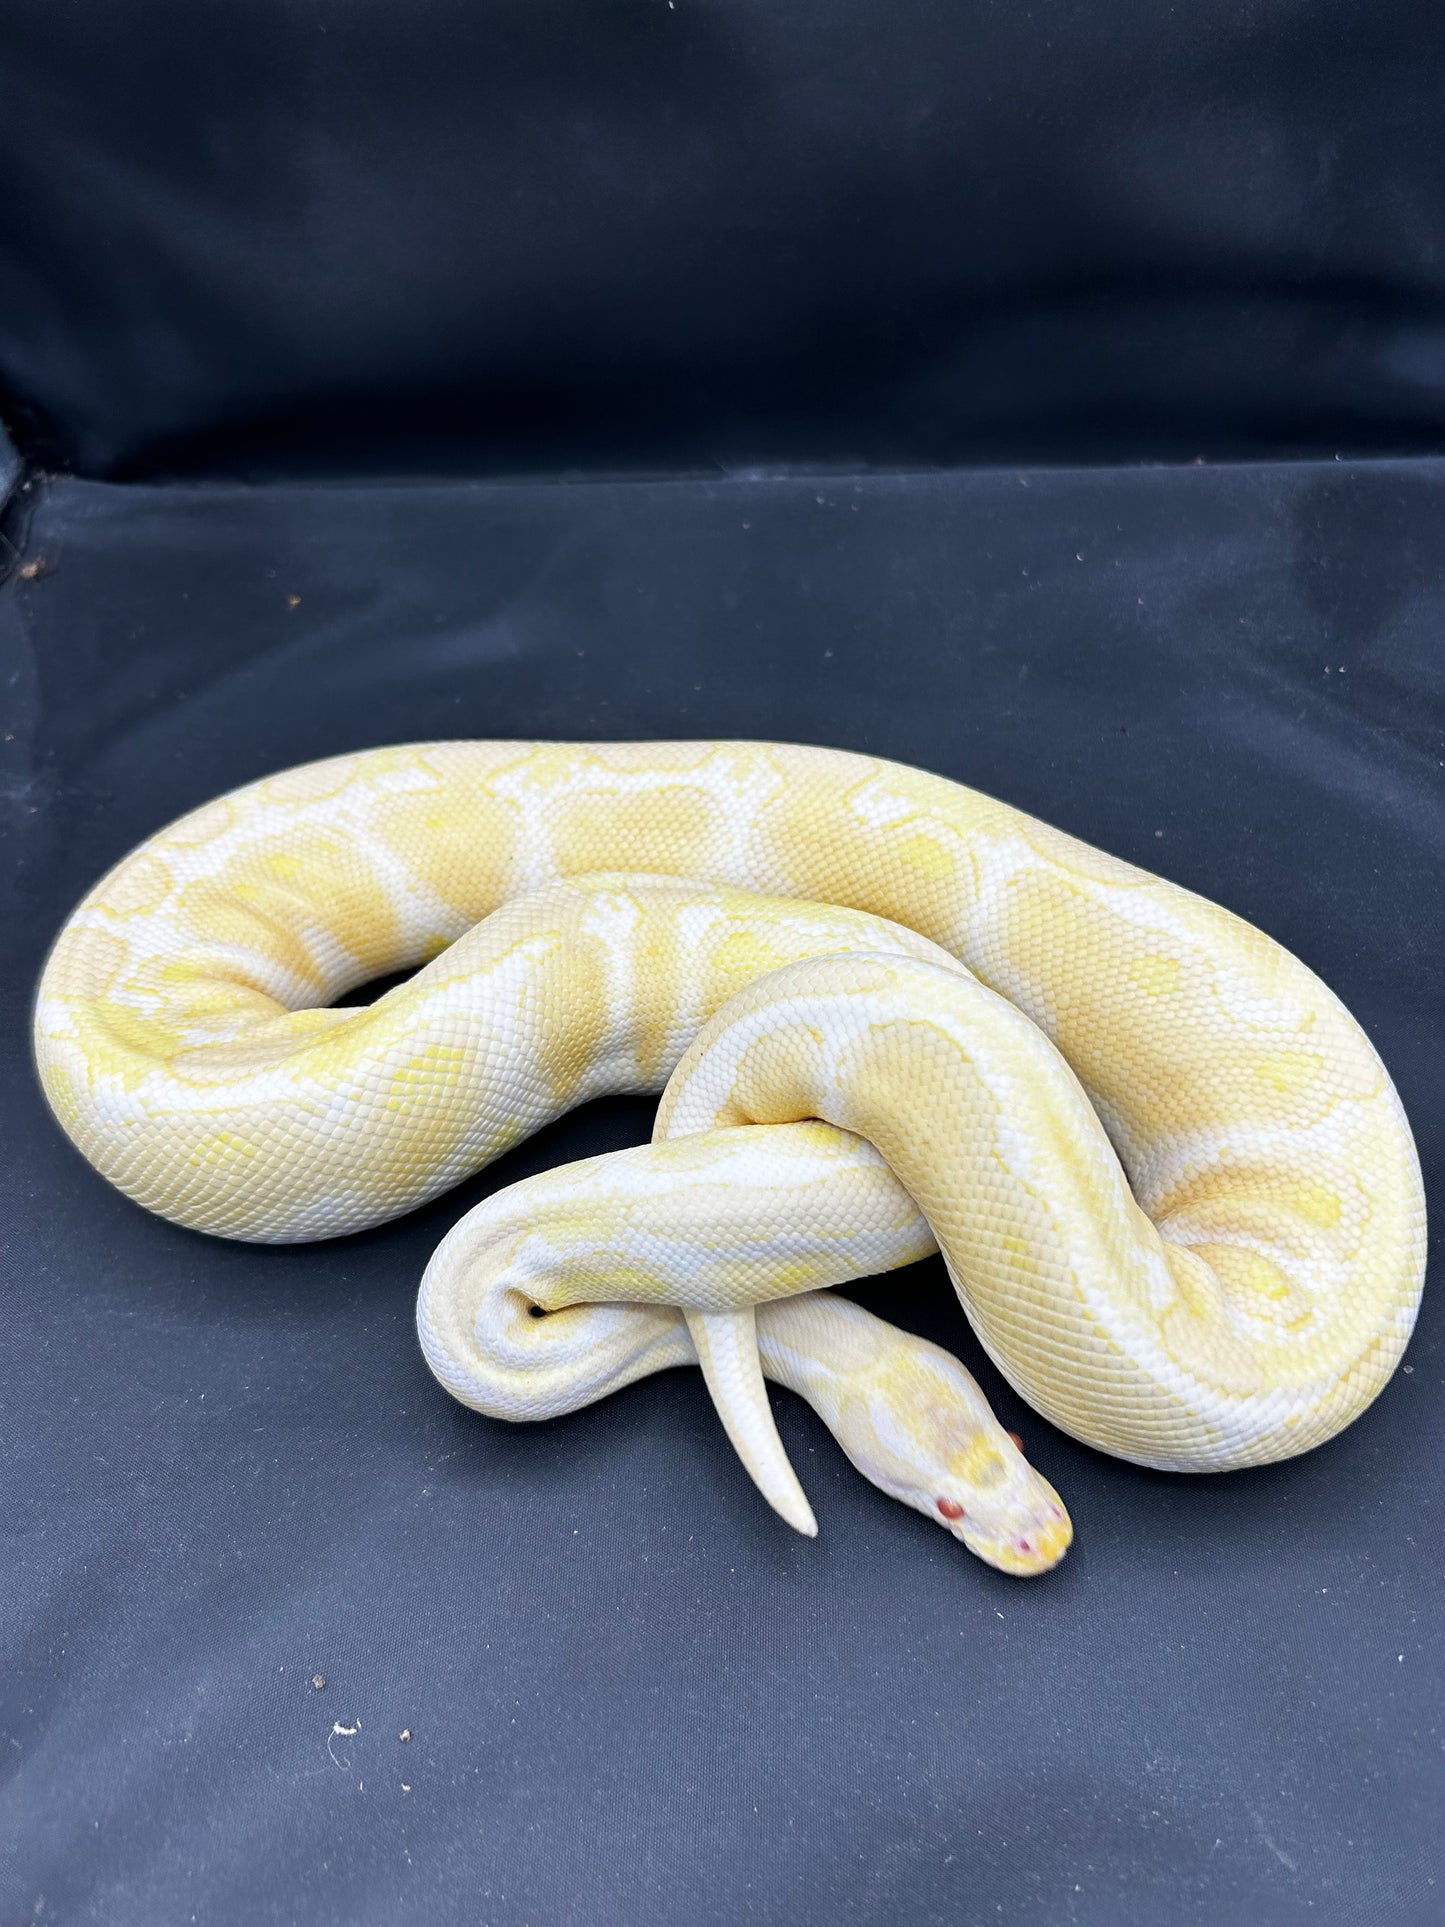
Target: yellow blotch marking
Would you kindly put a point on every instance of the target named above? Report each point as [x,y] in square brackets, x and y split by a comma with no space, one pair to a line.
[1156,975]
[744,954]
[65,1099]
[824,836]
[576,1282]
[1245,1274]
[658,983]
[803,1274]
[1184,1075]
[741,957]
[569,1049]
[422,1079]
[458,843]
[668,829]
[926,855]
[1289,1071]
[141,884]
[1317,1203]
[220,1148]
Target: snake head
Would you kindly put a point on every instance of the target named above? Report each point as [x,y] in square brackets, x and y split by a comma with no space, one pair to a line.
[916,1423]
[991,1498]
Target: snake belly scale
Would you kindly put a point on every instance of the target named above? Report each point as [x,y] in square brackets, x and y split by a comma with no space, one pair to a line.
[1170,1178]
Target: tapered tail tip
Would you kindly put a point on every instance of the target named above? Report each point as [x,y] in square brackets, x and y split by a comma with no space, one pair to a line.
[799,1517]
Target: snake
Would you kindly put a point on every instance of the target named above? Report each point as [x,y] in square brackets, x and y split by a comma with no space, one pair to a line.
[1171,1181]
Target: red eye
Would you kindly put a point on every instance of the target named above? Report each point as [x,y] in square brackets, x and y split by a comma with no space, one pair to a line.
[951,1509]
[1017,1440]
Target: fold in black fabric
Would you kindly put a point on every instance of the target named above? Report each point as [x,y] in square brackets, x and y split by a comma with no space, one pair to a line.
[632,1695]
[10,471]
[298,235]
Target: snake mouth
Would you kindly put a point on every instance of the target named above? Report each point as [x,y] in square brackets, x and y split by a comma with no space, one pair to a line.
[1031,1553]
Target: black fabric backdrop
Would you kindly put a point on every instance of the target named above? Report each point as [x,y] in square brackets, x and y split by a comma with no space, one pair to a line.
[633,1695]
[10,472]
[286,235]
[291,239]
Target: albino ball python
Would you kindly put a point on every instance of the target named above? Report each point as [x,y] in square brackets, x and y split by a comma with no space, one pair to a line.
[1170,1178]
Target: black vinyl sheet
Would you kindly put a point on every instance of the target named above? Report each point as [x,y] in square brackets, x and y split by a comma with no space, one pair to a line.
[632,1694]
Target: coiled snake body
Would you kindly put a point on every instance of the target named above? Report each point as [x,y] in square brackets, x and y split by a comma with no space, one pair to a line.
[1170,1178]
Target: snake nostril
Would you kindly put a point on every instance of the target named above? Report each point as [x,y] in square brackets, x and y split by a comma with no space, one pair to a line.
[950,1508]
[536,1311]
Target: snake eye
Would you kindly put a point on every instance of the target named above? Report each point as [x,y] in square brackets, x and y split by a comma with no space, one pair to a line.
[950,1508]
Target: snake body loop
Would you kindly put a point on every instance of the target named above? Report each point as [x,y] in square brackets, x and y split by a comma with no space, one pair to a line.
[1169,1175]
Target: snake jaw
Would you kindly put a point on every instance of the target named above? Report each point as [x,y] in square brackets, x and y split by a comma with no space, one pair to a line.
[1024,1554]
